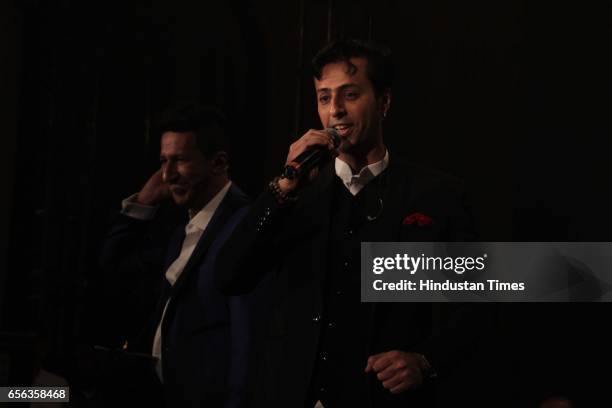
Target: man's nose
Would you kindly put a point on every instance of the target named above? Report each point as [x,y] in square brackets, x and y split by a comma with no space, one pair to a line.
[337,109]
[169,172]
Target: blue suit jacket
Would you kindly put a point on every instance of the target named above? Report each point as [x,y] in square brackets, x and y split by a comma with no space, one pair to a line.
[207,337]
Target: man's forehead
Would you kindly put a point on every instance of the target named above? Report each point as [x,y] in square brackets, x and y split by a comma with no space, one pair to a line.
[178,140]
[340,73]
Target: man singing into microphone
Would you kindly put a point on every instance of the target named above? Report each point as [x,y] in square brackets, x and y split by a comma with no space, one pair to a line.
[324,346]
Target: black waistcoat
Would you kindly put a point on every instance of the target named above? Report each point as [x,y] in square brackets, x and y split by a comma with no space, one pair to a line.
[339,379]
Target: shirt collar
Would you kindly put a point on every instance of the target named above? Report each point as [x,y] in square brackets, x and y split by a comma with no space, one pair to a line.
[355,182]
[202,218]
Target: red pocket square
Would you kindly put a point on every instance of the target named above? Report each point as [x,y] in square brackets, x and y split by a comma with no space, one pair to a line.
[419,219]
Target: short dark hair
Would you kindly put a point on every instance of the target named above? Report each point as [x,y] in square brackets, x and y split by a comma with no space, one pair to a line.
[380,68]
[206,122]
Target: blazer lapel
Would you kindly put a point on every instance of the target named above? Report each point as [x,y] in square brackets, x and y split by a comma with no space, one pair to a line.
[394,186]
[224,211]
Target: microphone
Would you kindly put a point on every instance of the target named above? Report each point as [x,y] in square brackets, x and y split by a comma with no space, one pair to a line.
[311,157]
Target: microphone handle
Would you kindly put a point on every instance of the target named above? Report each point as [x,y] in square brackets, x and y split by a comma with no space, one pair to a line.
[310,158]
[305,161]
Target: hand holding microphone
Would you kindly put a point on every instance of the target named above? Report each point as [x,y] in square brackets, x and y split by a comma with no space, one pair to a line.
[306,154]
[313,155]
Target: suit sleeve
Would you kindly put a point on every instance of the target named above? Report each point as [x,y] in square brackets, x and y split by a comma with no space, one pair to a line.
[458,332]
[129,266]
[246,314]
[254,247]
[458,328]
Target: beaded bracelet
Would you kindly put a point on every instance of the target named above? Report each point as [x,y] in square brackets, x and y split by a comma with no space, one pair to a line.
[278,194]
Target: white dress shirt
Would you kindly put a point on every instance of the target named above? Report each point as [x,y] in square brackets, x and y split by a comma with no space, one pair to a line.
[355,182]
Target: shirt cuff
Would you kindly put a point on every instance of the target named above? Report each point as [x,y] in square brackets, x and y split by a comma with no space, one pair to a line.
[133,209]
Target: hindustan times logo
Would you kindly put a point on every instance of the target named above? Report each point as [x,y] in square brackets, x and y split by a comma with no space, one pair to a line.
[413,264]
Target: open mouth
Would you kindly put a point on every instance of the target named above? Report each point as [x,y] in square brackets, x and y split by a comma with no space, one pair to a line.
[343,129]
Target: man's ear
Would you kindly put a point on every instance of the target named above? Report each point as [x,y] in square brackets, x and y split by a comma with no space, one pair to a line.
[385,102]
[220,162]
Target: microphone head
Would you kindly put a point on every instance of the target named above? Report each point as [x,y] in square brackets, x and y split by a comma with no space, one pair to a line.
[333,134]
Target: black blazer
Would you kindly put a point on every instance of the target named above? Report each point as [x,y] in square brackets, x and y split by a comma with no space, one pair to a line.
[289,246]
[206,335]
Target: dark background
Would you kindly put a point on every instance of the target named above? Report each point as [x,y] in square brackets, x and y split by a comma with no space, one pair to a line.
[511,95]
